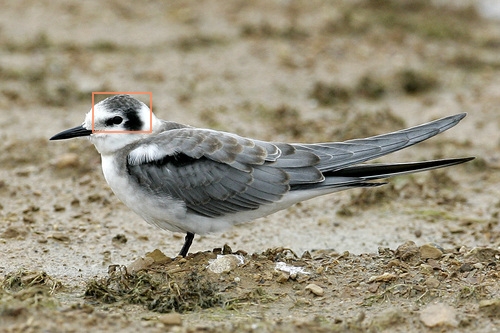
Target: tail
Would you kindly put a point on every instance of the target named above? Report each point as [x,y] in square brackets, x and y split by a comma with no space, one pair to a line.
[339,162]
[361,175]
[340,155]
[378,171]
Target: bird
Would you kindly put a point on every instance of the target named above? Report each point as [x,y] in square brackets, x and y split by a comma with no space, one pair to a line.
[200,181]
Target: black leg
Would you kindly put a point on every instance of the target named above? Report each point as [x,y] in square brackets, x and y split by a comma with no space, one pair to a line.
[188,240]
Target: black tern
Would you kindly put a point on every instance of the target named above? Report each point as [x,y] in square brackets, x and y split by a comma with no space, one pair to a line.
[199,181]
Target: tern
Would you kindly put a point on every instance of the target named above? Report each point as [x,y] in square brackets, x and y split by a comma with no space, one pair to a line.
[199,181]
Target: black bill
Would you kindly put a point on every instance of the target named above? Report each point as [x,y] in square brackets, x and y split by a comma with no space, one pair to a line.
[72,133]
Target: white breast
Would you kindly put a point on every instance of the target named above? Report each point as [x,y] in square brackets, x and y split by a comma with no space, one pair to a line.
[164,213]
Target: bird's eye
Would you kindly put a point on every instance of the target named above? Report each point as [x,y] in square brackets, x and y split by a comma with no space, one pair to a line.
[114,121]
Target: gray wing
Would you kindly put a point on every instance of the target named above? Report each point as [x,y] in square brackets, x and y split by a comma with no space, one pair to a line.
[216,173]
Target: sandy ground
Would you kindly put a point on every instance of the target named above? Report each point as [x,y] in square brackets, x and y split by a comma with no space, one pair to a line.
[285,71]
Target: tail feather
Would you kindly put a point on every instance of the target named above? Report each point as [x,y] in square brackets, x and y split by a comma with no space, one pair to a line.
[338,155]
[361,175]
[379,170]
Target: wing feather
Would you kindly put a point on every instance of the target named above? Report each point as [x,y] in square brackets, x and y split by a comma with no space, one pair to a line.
[217,173]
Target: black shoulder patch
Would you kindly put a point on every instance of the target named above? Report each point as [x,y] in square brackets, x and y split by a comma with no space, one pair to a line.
[177,160]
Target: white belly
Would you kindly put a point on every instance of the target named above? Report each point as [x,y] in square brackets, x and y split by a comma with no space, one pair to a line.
[167,213]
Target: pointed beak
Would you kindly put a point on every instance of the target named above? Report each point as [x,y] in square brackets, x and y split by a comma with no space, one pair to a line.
[72,133]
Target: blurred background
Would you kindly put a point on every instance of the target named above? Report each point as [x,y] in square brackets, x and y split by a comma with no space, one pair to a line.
[274,70]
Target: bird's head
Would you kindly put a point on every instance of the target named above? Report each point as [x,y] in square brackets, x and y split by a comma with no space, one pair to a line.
[114,123]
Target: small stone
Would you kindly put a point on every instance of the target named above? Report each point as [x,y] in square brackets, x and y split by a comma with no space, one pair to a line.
[225,263]
[283,277]
[456,229]
[158,257]
[119,238]
[140,264]
[430,251]
[466,267]
[226,249]
[439,315]
[478,265]
[42,240]
[491,307]
[315,289]
[426,269]
[388,319]
[281,266]
[374,287]
[434,264]
[408,253]
[59,208]
[12,232]
[171,319]
[483,254]
[94,197]
[28,219]
[382,278]
[25,172]
[59,236]
[69,160]
[432,282]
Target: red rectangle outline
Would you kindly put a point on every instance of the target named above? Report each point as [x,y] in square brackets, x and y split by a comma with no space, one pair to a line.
[125,93]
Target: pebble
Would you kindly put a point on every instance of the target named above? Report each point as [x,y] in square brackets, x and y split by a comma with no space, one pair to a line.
[426,269]
[140,264]
[158,256]
[386,320]
[478,265]
[430,251]
[491,307]
[155,257]
[439,315]
[283,277]
[408,253]
[382,278]
[59,236]
[483,254]
[315,289]
[281,266]
[171,319]
[466,267]
[11,232]
[69,160]
[432,282]
[225,263]
[59,208]
[119,239]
